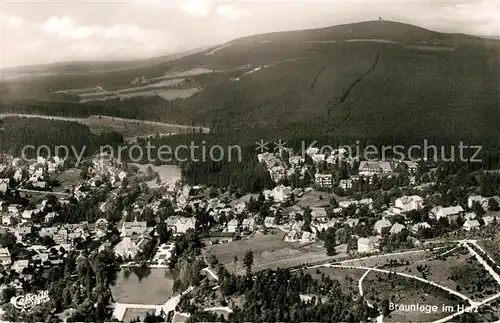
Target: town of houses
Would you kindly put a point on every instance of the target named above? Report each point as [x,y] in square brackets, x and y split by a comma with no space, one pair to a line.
[335,196]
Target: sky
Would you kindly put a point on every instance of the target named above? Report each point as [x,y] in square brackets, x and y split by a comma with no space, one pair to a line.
[39,32]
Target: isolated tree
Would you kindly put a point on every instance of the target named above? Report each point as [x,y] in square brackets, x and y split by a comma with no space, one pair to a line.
[248,261]
[493,205]
[213,261]
[477,208]
[385,307]
[330,241]
[333,202]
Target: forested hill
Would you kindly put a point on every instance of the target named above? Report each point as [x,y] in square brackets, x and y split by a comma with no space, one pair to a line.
[388,30]
[369,81]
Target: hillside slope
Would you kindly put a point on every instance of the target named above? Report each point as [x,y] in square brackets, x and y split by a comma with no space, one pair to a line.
[368,80]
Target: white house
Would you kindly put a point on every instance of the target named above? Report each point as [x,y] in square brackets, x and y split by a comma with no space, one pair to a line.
[4,185]
[13,209]
[181,224]
[27,214]
[325,225]
[345,183]
[280,193]
[232,226]
[5,259]
[249,224]
[318,213]
[269,221]
[312,151]
[409,203]
[18,175]
[292,236]
[307,237]
[19,265]
[471,225]
[368,245]
[397,228]
[101,223]
[381,225]
[451,211]
[8,220]
[296,160]
[470,216]
[50,216]
[352,222]
[347,203]
[239,207]
[488,219]
[318,158]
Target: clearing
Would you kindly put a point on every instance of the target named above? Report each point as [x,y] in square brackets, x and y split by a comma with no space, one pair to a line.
[270,252]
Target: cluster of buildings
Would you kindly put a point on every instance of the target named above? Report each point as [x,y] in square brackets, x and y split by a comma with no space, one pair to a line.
[367,170]
[225,215]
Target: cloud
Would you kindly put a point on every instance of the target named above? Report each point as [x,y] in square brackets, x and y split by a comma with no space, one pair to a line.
[197,8]
[11,21]
[66,27]
[232,12]
[192,8]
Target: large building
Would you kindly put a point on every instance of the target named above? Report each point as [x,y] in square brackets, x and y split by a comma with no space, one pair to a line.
[180,224]
[323,180]
[409,203]
[447,212]
[368,245]
[374,168]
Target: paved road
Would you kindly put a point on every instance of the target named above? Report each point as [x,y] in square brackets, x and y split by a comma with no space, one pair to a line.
[225,309]
[484,263]
[470,309]
[482,250]
[451,291]
[208,270]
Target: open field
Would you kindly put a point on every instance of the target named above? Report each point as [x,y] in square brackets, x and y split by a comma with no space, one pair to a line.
[191,72]
[379,261]
[270,251]
[166,93]
[129,128]
[402,290]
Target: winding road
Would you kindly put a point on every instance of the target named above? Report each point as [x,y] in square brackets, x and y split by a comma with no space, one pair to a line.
[460,243]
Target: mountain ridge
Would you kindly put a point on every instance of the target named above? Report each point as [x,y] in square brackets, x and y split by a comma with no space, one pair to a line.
[434,84]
